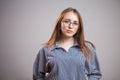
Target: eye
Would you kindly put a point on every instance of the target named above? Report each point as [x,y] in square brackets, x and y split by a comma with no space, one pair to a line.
[75,23]
[66,21]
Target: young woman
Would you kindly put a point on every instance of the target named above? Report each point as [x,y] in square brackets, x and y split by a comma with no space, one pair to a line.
[67,55]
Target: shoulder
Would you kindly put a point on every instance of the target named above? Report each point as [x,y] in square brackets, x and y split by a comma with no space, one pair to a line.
[92,48]
[42,49]
[90,45]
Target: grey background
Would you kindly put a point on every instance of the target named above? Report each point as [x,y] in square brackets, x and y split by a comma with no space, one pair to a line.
[26,24]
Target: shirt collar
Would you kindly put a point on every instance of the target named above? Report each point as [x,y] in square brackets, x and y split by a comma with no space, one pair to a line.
[56,45]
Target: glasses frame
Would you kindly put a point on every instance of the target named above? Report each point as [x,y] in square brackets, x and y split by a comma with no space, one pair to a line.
[68,22]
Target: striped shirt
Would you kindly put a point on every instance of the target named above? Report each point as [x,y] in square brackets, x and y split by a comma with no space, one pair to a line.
[56,63]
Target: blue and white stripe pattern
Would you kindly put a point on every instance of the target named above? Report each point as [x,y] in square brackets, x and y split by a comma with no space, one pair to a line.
[56,63]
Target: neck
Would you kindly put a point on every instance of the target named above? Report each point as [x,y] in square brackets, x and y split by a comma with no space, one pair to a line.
[67,40]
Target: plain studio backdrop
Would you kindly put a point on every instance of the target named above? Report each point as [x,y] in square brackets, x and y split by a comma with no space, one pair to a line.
[26,24]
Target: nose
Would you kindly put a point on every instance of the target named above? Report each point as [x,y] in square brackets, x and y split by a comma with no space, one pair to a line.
[70,26]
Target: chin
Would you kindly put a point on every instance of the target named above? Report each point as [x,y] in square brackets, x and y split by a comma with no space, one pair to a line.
[69,35]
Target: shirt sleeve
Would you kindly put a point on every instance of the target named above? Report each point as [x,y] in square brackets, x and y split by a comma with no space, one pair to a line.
[94,68]
[39,66]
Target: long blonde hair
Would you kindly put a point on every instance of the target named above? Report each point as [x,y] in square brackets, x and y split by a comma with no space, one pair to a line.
[79,36]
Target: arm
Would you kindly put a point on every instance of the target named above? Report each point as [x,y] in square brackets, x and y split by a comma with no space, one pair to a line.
[94,68]
[39,66]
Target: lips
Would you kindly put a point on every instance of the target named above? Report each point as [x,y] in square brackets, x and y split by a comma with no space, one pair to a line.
[69,31]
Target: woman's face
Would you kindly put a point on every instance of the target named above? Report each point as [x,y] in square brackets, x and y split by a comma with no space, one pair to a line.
[69,24]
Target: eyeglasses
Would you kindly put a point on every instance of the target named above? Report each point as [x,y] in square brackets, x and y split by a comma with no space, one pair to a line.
[67,22]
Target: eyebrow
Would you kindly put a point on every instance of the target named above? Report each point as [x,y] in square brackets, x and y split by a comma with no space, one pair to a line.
[70,20]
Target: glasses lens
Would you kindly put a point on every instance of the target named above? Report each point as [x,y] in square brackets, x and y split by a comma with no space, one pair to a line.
[67,22]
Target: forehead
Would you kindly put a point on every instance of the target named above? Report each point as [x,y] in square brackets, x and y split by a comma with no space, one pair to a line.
[71,15]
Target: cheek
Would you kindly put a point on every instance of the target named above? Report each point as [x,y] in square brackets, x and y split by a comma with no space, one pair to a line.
[75,29]
[63,28]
